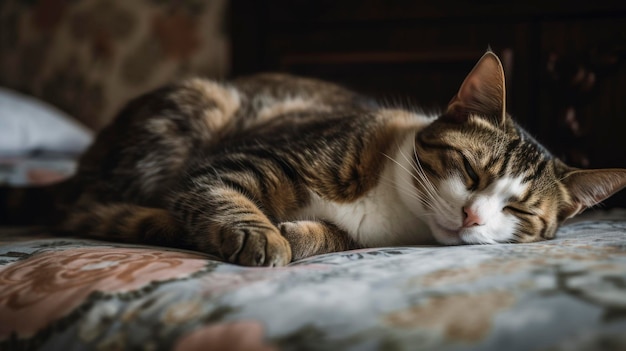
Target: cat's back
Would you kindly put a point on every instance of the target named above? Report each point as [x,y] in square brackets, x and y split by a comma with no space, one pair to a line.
[265,96]
[280,86]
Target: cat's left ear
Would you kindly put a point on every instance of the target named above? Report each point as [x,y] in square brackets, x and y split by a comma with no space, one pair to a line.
[588,187]
[482,93]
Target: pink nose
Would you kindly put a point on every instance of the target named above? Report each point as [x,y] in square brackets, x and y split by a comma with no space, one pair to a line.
[471,218]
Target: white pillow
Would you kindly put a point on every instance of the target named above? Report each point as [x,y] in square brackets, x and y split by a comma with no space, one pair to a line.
[28,124]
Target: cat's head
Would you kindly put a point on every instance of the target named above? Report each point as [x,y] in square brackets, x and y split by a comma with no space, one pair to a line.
[486,180]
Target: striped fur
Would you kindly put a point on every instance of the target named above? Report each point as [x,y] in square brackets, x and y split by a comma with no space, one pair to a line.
[271,168]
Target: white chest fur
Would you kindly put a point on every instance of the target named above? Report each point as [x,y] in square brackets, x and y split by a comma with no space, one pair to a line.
[380,218]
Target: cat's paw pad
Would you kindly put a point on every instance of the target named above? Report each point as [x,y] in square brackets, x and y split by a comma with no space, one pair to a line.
[256,247]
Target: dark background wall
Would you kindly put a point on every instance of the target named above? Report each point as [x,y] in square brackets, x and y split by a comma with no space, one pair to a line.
[565,61]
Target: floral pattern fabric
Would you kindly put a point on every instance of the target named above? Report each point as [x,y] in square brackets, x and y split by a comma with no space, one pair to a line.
[564,294]
[88,57]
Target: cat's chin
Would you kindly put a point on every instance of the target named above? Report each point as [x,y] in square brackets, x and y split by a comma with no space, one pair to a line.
[444,235]
[461,236]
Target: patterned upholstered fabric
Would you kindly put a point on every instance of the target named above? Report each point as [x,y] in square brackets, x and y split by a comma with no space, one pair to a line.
[564,294]
[88,57]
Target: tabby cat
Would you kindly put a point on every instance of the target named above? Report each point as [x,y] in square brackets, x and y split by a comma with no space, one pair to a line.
[274,168]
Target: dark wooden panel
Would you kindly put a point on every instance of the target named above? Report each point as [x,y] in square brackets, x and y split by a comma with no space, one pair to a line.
[583,98]
[405,62]
[442,10]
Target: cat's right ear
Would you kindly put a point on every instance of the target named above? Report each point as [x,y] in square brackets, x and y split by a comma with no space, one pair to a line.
[482,93]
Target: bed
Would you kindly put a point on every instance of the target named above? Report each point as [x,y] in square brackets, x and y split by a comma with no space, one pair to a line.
[63,293]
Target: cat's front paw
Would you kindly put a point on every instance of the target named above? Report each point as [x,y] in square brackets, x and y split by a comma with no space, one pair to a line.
[253,246]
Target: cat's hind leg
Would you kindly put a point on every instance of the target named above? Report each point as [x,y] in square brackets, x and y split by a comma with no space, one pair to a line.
[144,152]
[308,238]
[124,222]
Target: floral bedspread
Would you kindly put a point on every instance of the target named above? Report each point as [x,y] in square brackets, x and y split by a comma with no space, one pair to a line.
[564,294]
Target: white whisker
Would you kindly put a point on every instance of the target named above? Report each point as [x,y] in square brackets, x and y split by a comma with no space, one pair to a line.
[419,172]
[411,192]
[427,196]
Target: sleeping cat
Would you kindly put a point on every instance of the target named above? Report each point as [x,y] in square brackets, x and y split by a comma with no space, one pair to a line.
[273,168]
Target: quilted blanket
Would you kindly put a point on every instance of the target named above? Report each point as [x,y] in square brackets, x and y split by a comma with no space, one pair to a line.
[564,294]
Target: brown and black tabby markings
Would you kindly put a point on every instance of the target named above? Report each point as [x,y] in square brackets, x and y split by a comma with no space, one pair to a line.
[238,170]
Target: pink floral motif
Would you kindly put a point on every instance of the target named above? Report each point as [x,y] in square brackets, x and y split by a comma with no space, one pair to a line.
[39,290]
[234,336]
